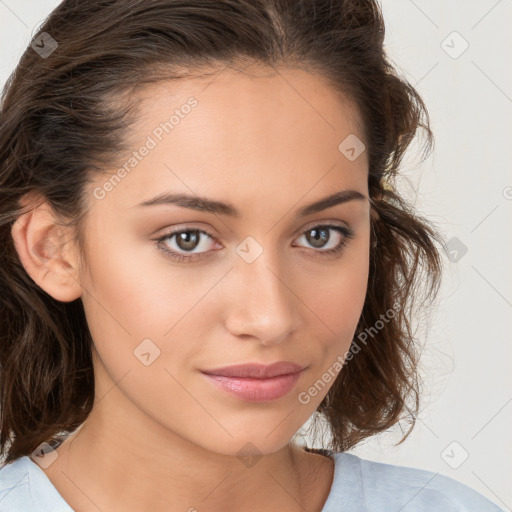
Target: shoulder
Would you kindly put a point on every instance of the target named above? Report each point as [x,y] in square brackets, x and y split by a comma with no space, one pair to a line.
[15,487]
[24,487]
[377,486]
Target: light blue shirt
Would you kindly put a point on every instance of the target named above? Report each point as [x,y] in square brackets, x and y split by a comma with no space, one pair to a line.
[359,485]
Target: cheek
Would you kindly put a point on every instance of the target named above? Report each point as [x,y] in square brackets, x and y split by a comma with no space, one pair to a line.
[340,299]
[132,289]
[122,304]
[137,304]
[338,303]
[138,317]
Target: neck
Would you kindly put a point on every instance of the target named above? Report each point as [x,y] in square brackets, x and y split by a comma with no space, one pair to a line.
[112,467]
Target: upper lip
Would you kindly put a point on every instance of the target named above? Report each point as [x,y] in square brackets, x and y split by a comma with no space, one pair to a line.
[257,371]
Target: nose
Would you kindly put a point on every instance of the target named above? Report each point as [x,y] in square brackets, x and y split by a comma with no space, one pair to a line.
[261,303]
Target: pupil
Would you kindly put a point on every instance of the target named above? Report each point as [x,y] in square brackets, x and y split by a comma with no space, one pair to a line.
[315,238]
[187,242]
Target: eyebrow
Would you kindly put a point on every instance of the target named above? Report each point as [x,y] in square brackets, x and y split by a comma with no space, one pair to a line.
[204,204]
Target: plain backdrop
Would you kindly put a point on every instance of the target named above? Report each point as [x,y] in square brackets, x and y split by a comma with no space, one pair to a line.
[457,54]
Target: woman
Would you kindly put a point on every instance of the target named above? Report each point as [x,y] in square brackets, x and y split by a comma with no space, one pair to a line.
[199,229]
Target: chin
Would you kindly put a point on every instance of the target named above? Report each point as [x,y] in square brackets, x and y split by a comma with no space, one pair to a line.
[243,446]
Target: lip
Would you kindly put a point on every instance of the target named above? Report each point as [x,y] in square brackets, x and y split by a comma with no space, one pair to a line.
[256,382]
[256,370]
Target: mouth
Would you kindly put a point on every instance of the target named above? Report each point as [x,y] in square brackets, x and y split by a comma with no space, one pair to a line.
[256,370]
[255,382]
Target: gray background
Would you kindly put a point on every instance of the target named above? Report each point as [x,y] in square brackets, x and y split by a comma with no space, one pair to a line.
[465,186]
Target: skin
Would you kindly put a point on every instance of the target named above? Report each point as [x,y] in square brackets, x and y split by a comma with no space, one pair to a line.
[161,437]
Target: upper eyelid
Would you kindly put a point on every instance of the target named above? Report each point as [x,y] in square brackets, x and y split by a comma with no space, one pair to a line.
[308,227]
[328,224]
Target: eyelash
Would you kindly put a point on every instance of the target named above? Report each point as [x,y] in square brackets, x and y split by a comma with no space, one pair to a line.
[348,234]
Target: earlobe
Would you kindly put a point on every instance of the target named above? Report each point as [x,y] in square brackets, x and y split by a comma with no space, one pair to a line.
[46,252]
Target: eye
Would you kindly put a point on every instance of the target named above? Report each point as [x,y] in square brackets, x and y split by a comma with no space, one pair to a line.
[187,240]
[318,236]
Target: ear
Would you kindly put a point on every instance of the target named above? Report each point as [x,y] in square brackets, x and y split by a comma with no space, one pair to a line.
[46,251]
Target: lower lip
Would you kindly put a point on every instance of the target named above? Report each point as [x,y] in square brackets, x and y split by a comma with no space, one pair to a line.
[256,390]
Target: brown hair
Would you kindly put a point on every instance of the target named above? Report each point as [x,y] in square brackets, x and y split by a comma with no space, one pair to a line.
[66,116]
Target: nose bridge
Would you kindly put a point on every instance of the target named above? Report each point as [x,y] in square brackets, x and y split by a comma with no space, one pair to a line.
[261,305]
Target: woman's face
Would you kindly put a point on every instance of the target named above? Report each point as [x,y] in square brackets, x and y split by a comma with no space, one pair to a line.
[264,288]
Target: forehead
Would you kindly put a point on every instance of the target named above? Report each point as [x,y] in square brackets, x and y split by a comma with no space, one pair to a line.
[254,96]
[233,131]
